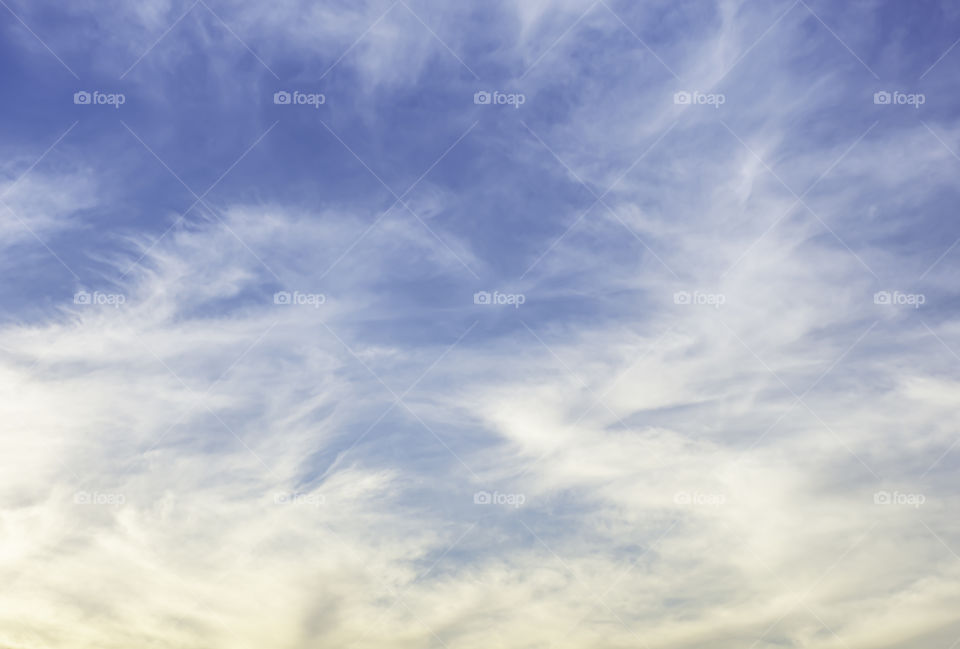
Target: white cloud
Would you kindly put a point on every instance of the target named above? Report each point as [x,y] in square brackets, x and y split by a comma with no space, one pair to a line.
[203,467]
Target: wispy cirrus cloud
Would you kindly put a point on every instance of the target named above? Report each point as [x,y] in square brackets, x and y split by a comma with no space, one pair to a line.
[663,355]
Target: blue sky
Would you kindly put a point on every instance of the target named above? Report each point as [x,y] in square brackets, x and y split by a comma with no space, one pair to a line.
[657,347]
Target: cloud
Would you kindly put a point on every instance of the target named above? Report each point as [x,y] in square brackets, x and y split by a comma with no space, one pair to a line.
[720,415]
[40,205]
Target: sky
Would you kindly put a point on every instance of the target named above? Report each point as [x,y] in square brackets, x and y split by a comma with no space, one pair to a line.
[553,323]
